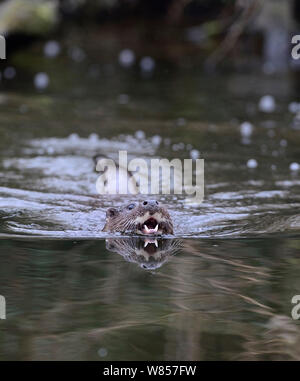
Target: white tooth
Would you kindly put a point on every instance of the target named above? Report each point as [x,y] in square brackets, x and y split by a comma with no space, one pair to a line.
[146,243]
[156,243]
[156,228]
[146,228]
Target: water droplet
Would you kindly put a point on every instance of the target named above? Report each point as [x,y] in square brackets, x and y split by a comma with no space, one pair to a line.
[294,107]
[246,129]
[41,81]
[283,143]
[296,121]
[156,140]
[252,163]
[194,154]
[271,133]
[126,58]
[77,54]
[294,167]
[140,134]
[9,72]
[51,49]
[267,103]
[102,352]
[147,64]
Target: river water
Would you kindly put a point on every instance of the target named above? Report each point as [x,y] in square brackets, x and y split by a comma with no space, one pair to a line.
[222,288]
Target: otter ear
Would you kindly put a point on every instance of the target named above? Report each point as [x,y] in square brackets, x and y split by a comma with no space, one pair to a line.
[111,212]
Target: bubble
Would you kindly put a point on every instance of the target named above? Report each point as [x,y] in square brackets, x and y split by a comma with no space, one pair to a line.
[167,141]
[9,72]
[51,49]
[140,134]
[273,167]
[252,163]
[123,99]
[77,54]
[267,103]
[147,64]
[194,154]
[294,167]
[126,58]
[102,352]
[41,81]
[246,129]
[156,140]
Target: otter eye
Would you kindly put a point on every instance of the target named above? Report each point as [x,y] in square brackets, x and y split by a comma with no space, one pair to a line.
[130,206]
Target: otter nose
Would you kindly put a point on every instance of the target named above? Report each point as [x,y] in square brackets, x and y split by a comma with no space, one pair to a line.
[150,203]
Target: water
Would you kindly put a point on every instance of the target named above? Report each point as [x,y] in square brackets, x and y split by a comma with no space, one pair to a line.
[215,299]
[222,288]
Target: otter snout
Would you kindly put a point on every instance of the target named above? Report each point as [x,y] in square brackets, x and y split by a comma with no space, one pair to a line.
[150,206]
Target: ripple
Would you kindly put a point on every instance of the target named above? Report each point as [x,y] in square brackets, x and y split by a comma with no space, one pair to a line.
[50,191]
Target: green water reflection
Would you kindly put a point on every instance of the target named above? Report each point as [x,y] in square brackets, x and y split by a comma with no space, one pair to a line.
[221,300]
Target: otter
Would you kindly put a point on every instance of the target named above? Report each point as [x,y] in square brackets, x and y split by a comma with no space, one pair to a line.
[146,218]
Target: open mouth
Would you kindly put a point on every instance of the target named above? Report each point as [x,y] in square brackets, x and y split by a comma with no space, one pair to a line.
[150,245]
[150,226]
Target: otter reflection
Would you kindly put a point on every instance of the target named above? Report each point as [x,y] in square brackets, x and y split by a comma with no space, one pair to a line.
[148,253]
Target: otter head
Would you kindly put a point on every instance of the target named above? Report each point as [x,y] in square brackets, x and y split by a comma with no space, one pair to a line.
[146,217]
